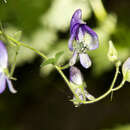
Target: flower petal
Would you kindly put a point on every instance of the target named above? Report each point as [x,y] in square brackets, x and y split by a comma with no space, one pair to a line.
[94,42]
[85,60]
[73,59]
[73,36]
[76,76]
[3,56]
[2,83]
[76,18]
[10,86]
[70,43]
[80,35]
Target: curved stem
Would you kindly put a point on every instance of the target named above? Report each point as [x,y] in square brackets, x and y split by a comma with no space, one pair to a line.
[64,67]
[27,46]
[120,86]
[68,83]
[110,89]
[45,57]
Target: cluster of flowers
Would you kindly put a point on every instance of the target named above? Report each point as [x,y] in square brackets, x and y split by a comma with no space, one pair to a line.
[82,39]
[86,39]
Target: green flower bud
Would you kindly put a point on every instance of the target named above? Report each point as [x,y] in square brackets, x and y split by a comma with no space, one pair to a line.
[112,52]
[126,70]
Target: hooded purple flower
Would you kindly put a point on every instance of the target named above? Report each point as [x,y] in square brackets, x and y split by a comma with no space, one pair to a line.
[3,70]
[78,85]
[85,37]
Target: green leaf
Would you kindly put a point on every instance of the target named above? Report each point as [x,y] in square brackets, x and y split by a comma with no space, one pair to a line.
[57,56]
[49,61]
[17,35]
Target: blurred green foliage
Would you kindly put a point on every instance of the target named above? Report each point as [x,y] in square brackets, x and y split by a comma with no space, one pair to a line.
[41,22]
[121,127]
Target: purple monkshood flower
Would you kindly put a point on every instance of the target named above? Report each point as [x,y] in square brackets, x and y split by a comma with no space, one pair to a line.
[86,39]
[78,85]
[4,70]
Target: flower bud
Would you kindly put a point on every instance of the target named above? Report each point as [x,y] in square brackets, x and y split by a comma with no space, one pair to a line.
[76,76]
[126,70]
[112,52]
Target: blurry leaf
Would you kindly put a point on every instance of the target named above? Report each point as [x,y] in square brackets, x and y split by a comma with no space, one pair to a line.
[17,35]
[52,60]
[48,61]
[58,55]
[61,11]
[120,127]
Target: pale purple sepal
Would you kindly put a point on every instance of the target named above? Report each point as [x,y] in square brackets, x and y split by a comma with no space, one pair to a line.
[76,76]
[85,60]
[10,86]
[94,43]
[126,64]
[3,66]
[70,43]
[73,59]
[73,36]
[3,56]
[2,83]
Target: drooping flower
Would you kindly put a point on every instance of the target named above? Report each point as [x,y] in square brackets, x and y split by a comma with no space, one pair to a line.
[85,37]
[78,85]
[126,70]
[4,70]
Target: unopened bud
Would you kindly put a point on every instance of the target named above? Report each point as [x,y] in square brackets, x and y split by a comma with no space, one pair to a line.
[76,76]
[112,52]
[126,70]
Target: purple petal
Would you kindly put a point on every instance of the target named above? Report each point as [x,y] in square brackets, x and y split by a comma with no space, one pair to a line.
[75,75]
[73,59]
[80,35]
[76,19]
[70,43]
[73,36]
[3,56]
[2,83]
[10,86]
[94,42]
[85,60]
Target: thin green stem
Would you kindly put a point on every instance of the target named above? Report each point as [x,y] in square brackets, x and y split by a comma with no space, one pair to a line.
[45,57]
[120,86]
[59,69]
[64,67]
[27,46]
[109,90]
[67,82]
